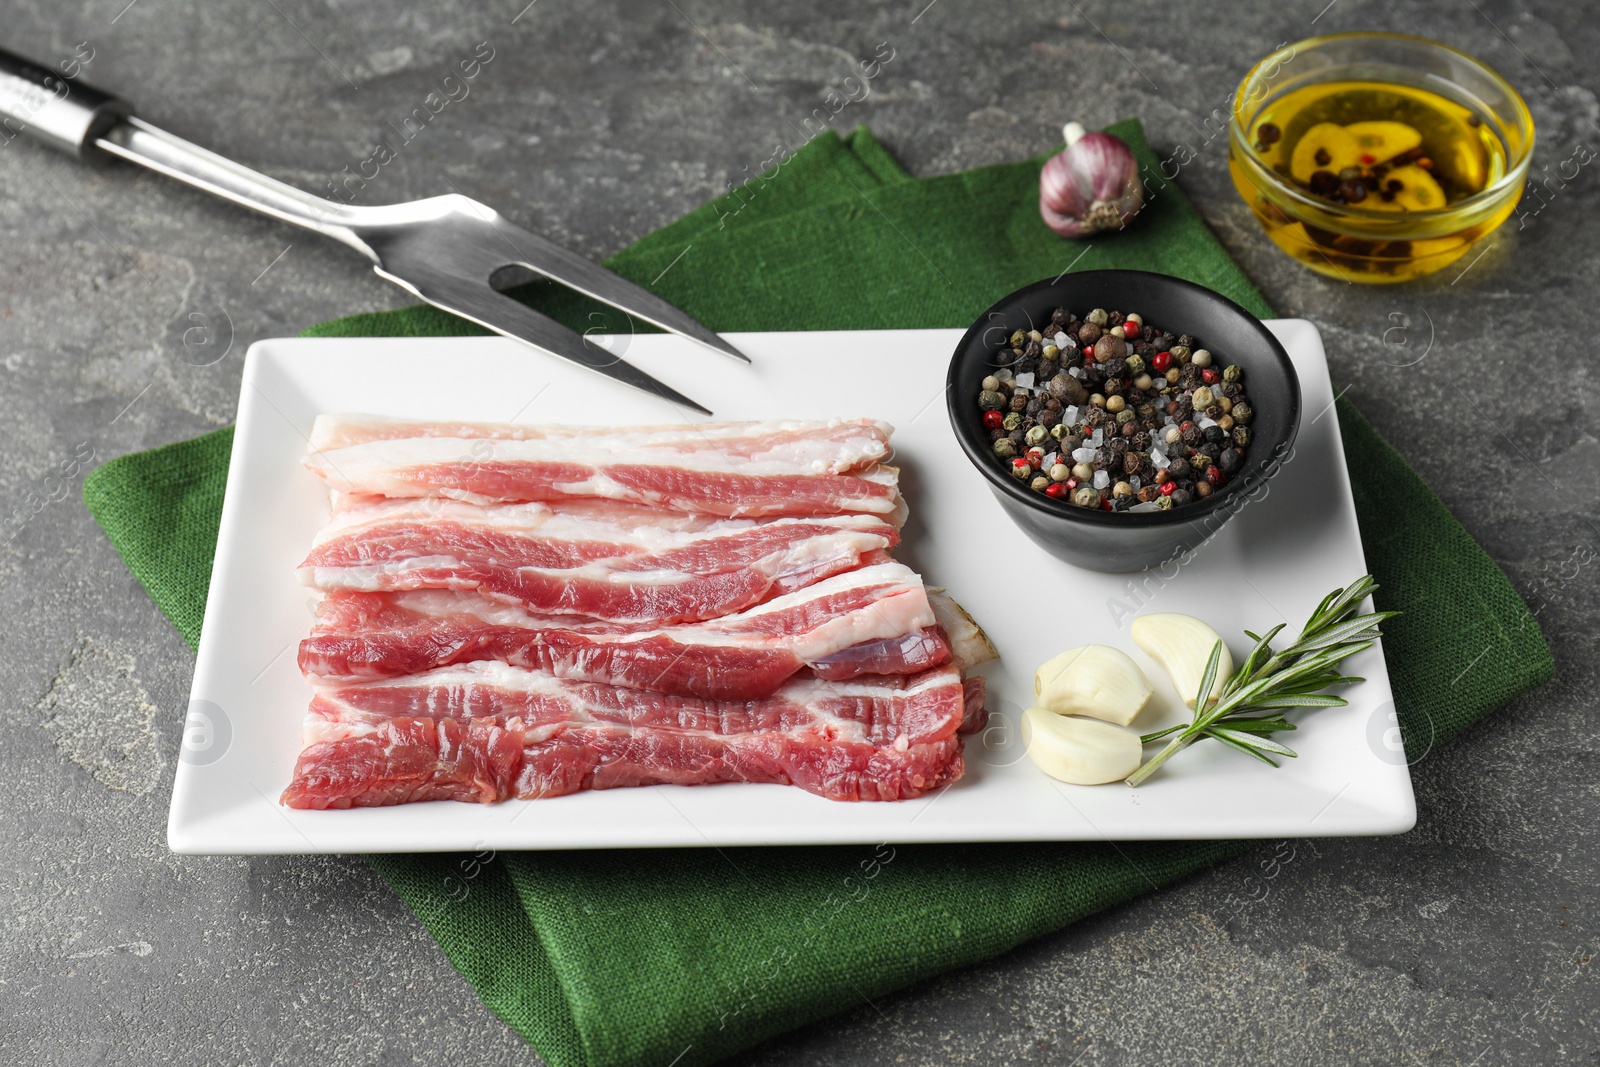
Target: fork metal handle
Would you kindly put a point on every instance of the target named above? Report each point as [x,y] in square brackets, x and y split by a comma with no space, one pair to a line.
[62,112]
[139,142]
[87,123]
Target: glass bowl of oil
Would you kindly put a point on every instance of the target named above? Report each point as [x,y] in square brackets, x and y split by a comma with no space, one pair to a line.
[1377,157]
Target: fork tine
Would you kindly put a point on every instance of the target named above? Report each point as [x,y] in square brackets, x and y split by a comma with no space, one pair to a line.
[591,279]
[477,302]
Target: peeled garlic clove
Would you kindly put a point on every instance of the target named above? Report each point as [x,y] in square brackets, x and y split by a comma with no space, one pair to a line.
[1382,141]
[1095,680]
[1325,146]
[1182,644]
[1418,191]
[1080,751]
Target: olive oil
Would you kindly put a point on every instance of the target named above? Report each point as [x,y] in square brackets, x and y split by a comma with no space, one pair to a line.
[1382,164]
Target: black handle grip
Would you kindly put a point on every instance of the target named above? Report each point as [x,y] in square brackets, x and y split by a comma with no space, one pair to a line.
[60,111]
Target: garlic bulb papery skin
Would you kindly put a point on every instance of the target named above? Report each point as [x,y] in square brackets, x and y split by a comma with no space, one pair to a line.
[1090,186]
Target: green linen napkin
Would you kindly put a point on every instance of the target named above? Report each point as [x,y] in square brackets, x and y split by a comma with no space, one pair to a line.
[684,956]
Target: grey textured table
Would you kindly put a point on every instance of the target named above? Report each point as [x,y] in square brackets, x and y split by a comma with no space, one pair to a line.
[1465,942]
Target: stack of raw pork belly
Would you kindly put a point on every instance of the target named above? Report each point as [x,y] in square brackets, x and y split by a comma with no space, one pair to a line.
[527,611]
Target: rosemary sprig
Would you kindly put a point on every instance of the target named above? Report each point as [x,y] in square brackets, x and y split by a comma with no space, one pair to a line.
[1249,709]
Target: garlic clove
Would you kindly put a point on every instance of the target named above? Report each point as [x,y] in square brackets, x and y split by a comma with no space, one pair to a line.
[1080,751]
[1095,680]
[1325,146]
[1182,644]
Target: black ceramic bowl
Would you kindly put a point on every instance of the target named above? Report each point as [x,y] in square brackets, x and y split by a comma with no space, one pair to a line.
[1130,541]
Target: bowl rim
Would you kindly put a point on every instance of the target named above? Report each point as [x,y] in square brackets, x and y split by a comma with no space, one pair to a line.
[966,427]
[1516,172]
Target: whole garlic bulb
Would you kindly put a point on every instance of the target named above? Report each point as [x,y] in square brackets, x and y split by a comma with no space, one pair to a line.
[1091,185]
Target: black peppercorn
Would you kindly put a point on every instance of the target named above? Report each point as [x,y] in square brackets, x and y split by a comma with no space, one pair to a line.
[1068,389]
[1178,467]
[1019,403]
[1191,436]
[1180,497]
[1089,333]
[1131,462]
[1241,434]
[1035,405]
[1033,350]
[1048,369]
[1213,434]
[1230,460]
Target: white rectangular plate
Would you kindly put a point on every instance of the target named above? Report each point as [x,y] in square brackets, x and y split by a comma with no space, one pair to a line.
[1271,564]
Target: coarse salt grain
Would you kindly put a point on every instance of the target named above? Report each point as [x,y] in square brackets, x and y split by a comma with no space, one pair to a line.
[1101,479]
[1063,341]
[1083,455]
[1069,417]
[1097,438]
[1145,505]
[1206,424]
[1025,381]
[1076,372]
[1159,458]
[1135,481]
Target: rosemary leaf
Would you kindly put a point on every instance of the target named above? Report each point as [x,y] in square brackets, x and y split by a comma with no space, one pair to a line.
[1249,707]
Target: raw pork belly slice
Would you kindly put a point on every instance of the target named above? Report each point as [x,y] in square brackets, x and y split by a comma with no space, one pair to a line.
[414,759]
[875,620]
[879,738]
[599,560]
[739,470]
